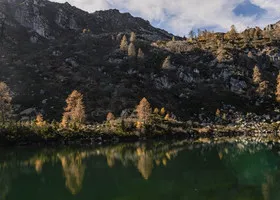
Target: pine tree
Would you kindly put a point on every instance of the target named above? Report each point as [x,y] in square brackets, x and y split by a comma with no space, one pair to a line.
[162,111]
[167,117]
[124,45]
[257,76]
[79,114]
[132,37]
[40,120]
[232,34]
[277,93]
[5,102]
[75,110]
[144,110]
[263,88]
[140,54]
[156,111]
[131,50]
[110,117]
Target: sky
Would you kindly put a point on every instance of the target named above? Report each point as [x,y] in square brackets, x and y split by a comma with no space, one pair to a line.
[181,16]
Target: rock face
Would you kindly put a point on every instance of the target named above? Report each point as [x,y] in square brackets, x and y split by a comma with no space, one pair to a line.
[49,19]
[49,49]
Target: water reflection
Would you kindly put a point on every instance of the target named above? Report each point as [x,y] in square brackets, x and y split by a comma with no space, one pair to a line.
[178,170]
[74,170]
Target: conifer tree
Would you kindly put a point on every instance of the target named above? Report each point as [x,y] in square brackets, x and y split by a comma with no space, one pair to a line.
[167,117]
[162,111]
[257,76]
[132,37]
[131,50]
[156,111]
[75,109]
[277,93]
[263,88]
[232,34]
[124,45]
[5,102]
[40,120]
[144,110]
[110,117]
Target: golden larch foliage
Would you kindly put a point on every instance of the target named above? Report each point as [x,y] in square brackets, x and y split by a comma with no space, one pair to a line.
[124,45]
[139,125]
[162,111]
[110,116]
[156,111]
[131,50]
[263,88]
[5,102]
[40,120]
[75,110]
[144,110]
[277,93]
[132,37]
[167,117]
[257,76]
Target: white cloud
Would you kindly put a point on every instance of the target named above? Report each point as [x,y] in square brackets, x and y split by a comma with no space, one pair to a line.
[180,16]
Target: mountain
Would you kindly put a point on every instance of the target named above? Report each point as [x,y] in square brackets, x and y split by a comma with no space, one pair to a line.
[49,49]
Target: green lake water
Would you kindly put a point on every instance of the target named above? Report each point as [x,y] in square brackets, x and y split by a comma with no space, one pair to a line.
[142,171]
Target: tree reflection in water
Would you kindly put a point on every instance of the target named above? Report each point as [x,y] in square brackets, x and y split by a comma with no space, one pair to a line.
[248,165]
[74,171]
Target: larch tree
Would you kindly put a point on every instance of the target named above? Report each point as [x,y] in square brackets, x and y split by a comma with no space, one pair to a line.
[263,88]
[258,33]
[232,34]
[162,111]
[124,45]
[78,114]
[257,76]
[144,110]
[40,120]
[140,54]
[110,117]
[131,50]
[156,111]
[75,110]
[277,93]
[132,37]
[5,102]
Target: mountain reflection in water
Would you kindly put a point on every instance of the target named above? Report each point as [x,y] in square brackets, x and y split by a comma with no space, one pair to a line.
[178,170]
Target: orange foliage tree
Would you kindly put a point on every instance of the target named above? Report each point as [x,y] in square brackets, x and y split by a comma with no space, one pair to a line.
[144,110]
[75,110]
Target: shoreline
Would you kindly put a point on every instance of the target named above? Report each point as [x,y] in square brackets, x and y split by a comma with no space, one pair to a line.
[29,136]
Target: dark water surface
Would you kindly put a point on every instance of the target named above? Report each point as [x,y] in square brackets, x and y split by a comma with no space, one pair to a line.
[153,171]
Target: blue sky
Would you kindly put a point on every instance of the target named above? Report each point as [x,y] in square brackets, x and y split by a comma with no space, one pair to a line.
[181,16]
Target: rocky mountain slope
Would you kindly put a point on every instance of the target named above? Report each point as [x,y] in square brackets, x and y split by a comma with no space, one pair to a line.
[49,49]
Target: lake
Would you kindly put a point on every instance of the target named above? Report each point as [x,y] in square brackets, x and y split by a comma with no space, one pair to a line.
[159,170]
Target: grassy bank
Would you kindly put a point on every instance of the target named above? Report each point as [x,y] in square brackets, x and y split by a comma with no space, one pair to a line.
[119,130]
